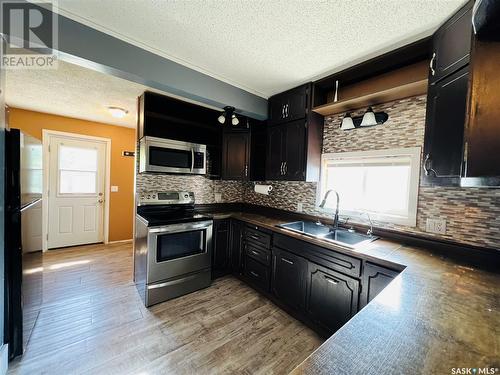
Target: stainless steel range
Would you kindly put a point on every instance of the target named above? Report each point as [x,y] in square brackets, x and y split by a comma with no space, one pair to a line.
[172,246]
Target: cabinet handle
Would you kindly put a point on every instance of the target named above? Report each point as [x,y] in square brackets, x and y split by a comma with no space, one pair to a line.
[254,274]
[255,252]
[283,111]
[287,261]
[331,281]
[285,167]
[246,170]
[431,64]
[286,110]
[281,169]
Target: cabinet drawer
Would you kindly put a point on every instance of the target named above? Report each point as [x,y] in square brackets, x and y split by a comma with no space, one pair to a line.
[326,257]
[258,253]
[257,273]
[253,234]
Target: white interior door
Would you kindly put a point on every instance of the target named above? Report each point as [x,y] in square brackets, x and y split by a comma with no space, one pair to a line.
[76,191]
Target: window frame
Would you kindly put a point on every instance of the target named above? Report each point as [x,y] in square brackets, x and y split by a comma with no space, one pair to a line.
[414,153]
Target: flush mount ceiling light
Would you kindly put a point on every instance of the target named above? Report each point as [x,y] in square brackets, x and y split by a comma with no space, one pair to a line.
[117,112]
[347,122]
[228,113]
[369,118]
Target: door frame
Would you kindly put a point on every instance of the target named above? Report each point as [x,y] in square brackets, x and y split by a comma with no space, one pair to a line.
[46,135]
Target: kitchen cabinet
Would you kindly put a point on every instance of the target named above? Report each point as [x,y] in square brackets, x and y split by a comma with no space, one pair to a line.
[237,245]
[256,273]
[294,137]
[236,155]
[375,279]
[331,298]
[286,152]
[221,249]
[289,278]
[452,44]
[444,132]
[288,106]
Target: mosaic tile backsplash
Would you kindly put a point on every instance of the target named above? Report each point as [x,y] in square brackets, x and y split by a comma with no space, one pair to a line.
[472,214]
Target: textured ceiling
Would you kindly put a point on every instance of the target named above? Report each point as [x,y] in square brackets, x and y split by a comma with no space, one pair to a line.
[264,46]
[73,91]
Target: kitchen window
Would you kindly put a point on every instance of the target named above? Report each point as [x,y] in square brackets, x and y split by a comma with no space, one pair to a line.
[382,183]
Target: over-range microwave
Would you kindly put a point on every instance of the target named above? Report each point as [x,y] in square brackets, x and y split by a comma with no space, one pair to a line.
[169,156]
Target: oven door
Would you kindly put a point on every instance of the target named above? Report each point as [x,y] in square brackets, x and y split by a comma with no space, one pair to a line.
[169,156]
[178,249]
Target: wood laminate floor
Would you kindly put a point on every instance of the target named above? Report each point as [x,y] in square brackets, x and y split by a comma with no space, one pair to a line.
[92,321]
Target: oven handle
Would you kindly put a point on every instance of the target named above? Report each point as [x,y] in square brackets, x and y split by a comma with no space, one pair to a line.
[173,282]
[175,228]
[192,159]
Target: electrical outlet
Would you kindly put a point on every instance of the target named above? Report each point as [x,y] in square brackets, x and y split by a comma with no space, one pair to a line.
[435,226]
[114,189]
[218,197]
[300,207]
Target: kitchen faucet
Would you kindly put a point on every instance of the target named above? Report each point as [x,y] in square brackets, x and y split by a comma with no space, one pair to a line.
[336,216]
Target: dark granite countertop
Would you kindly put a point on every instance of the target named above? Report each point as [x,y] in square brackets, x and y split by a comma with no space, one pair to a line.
[438,314]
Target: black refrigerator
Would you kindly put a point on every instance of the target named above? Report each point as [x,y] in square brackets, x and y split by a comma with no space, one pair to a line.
[23,255]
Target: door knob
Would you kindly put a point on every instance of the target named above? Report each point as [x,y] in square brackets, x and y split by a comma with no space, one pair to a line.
[100,200]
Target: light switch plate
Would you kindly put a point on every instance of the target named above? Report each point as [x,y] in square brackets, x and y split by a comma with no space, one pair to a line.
[300,207]
[114,189]
[437,226]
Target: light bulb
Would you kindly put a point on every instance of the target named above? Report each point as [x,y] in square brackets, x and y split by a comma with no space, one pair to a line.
[347,122]
[222,119]
[235,120]
[117,112]
[369,118]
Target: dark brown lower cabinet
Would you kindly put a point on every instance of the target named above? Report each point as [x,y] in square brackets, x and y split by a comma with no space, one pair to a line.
[237,246]
[375,278]
[332,298]
[289,278]
[221,249]
[256,273]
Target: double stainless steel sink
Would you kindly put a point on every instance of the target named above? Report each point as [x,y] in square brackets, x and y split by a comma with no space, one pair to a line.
[343,237]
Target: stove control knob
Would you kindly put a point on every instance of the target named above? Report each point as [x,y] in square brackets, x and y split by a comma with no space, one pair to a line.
[149,196]
[154,196]
[186,196]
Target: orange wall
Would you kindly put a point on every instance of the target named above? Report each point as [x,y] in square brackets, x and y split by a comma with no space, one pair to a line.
[121,205]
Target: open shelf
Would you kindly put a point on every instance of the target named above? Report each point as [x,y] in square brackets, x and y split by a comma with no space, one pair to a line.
[383,96]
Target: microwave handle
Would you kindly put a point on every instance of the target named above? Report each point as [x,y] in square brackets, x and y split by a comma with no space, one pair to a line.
[192,159]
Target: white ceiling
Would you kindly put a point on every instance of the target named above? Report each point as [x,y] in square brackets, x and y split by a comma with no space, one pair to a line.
[73,91]
[77,92]
[264,46]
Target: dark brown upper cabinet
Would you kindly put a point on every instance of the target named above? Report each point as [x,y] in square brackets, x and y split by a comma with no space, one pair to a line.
[243,151]
[444,132]
[452,45]
[235,155]
[288,106]
[294,137]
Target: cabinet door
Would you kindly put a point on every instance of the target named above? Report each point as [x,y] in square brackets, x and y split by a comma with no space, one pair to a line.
[277,107]
[289,278]
[236,246]
[452,44]
[274,162]
[332,298]
[294,150]
[221,250]
[235,155]
[444,132]
[375,279]
[296,103]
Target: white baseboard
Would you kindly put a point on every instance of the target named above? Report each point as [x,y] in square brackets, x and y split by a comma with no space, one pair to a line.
[4,359]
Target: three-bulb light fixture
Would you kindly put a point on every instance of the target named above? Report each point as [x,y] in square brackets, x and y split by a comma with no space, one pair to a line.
[370,118]
[228,114]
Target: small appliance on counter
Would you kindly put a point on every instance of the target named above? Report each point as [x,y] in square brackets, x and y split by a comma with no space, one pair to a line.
[23,240]
[169,156]
[172,246]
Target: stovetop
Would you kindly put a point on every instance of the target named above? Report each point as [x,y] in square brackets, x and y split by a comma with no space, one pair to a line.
[168,207]
[156,216]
